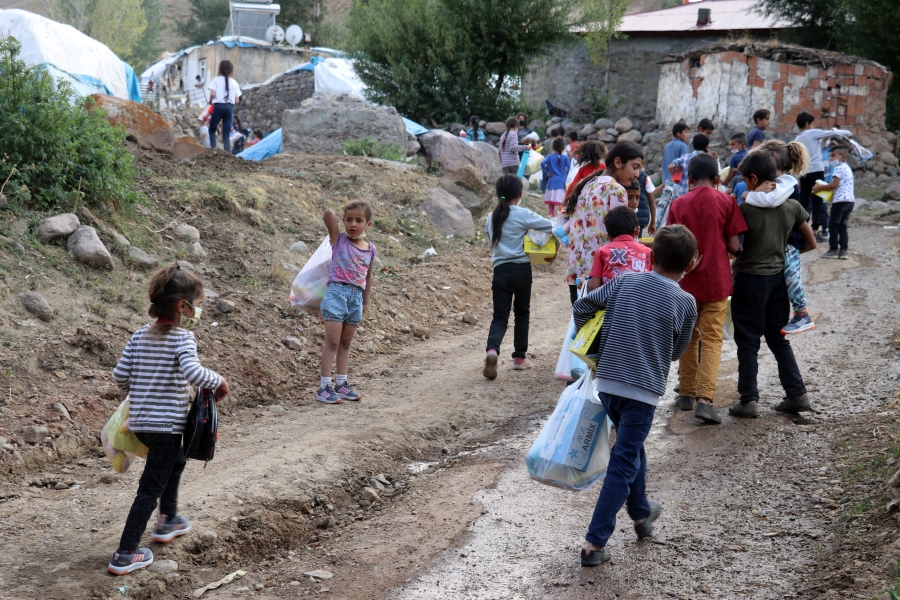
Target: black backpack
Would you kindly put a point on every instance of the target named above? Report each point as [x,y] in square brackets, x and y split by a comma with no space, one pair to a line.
[201,432]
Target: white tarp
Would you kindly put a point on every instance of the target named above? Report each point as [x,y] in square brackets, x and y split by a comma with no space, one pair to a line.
[64,51]
[336,76]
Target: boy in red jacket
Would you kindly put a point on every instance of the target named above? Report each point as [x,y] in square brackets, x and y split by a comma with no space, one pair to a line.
[623,254]
[716,221]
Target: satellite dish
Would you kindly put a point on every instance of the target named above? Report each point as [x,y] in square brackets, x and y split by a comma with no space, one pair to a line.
[294,35]
[275,35]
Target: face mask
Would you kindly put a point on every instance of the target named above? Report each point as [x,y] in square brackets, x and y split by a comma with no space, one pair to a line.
[191,322]
[733,151]
[522,123]
[835,163]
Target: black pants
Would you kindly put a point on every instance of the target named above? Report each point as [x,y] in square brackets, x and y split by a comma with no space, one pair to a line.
[760,307]
[162,475]
[840,215]
[809,201]
[511,289]
[573,293]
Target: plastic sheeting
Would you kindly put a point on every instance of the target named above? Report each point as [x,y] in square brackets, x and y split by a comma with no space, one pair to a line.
[66,53]
[336,76]
[267,147]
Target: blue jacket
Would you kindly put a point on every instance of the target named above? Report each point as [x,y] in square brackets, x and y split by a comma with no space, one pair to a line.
[555,169]
[673,150]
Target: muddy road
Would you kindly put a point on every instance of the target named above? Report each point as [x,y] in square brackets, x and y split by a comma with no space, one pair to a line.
[750,506]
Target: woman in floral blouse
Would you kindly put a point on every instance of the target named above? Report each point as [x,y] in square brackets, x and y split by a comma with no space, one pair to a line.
[587,204]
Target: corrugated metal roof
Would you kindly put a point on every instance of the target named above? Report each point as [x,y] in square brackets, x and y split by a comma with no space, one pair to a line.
[726,15]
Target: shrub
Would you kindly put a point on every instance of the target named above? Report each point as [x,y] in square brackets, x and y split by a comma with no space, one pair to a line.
[54,150]
[370,147]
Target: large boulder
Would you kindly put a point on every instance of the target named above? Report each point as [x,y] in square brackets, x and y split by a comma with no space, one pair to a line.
[450,153]
[495,127]
[892,192]
[632,135]
[325,121]
[469,187]
[85,244]
[447,214]
[603,124]
[144,126]
[186,148]
[56,227]
[624,124]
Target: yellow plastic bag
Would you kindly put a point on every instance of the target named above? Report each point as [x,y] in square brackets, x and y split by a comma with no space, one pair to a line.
[120,444]
[586,338]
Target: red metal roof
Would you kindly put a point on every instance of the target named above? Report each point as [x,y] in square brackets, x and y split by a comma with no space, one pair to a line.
[726,15]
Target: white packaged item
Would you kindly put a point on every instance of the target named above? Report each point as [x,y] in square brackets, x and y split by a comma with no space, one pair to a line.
[311,283]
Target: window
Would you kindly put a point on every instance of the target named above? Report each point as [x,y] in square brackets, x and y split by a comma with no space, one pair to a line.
[202,69]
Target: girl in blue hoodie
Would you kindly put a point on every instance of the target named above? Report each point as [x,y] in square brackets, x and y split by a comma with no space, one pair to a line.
[555,169]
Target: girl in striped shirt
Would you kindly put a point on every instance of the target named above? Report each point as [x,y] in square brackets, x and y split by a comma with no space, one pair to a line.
[158,363]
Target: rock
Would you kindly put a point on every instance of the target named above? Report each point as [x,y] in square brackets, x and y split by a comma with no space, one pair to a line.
[58,407]
[649,126]
[633,136]
[299,248]
[893,505]
[469,187]
[863,204]
[624,124]
[275,408]
[319,574]
[35,434]
[292,343]
[118,238]
[325,121]
[589,129]
[208,538]
[495,127]
[470,319]
[382,479]
[447,214]
[86,216]
[448,153]
[537,123]
[187,267]
[413,147]
[606,138]
[603,124]
[37,305]
[421,332]
[892,192]
[226,306]
[888,159]
[109,478]
[141,259]
[186,147]
[369,494]
[85,244]
[163,566]
[877,205]
[188,232]
[143,125]
[195,250]
[326,522]
[375,484]
[61,486]
[60,226]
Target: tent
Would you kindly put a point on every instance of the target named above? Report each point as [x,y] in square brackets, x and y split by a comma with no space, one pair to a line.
[66,53]
[336,76]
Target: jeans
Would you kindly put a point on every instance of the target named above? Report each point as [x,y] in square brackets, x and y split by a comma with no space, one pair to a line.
[342,302]
[699,365]
[511,289]
[840,215]
[627,472]
[223,112]
[162,475]
[511,170]
[792,278]
[760,307]
[809,201]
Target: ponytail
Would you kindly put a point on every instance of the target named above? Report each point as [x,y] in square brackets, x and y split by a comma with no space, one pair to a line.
[789,158]
[473,121]
[225,70]
[509,188]
[799,159]
[511,123]
[558,146]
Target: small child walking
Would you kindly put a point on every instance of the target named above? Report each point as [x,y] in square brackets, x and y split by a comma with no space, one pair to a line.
[841,205]
[623,254]
[155,368]
[347,297]
[506,227]
[555,169]
[632,372]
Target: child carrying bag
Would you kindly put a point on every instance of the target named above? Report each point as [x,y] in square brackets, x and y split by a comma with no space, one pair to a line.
[201,432]
[119,443]
[587,341]
[311,283]
[572,450]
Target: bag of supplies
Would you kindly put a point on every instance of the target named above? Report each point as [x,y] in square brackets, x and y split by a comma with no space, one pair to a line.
[728,329]
[533,165]
[119,443]
[572,450]
[311,283]
[567,364]
[588,339]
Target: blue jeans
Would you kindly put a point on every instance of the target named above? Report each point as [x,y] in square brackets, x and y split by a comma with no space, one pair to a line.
[342,302]
[792,278]
[627,472]
[223,112]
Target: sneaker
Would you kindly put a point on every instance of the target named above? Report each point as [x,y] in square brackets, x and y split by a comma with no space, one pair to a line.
[843,255]
[821,238]
[520,364]
[645,528]
[345,392]
[490,365]
[122,563]
[595,558]
[167,531]
[327,395]
[749,410]
[830,254]
[685,402]
[798,324]
[794,405]
[707,413]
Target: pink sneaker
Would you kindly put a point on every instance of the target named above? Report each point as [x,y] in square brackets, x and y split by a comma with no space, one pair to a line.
[520,364]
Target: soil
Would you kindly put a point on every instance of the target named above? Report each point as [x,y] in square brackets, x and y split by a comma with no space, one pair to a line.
[776,507]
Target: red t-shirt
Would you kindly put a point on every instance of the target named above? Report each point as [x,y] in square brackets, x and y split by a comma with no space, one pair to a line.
[712,217]
[622,255]
[585,171]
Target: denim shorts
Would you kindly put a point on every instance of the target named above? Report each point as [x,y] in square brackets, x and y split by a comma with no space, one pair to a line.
[342,302]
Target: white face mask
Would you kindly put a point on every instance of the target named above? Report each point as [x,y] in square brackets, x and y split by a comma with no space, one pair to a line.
[735,151]
[191,322]
[835,163]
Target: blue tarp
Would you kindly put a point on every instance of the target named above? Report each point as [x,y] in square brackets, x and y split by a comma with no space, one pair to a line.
[413,128]
[269,146]
[134,90]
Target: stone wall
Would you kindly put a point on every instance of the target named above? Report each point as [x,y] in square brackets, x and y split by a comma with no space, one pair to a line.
[261,107]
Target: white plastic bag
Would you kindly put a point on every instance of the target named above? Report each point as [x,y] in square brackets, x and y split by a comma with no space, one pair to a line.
[539,237]
[573,171]
[568,362]
[572,450]
[311,283]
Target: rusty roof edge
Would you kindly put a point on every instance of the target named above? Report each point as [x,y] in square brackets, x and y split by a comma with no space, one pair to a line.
[789,54]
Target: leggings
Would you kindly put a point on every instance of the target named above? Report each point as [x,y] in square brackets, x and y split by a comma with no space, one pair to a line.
[793,280]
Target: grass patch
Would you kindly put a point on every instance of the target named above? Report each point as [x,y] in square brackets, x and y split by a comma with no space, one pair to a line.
[370,147]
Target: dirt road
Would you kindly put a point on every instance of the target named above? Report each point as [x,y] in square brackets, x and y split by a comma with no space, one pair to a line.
[747,504]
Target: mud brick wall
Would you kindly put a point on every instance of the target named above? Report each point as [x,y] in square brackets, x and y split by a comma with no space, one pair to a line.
[261,107]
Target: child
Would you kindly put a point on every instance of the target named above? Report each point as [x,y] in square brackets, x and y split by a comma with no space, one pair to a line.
[716,221]
[757,135]
[474,133]
[738,144]
[510,148]
[632,375]
[555,169]
[633,189]
[347,297]
[572,147]
[760,303]
[674,150]
[155,368]
[680,165]
[647,205]
[590,156]
[706,127]
[812,139]
[506,227]
[623,254]
[842,203]
[791,160]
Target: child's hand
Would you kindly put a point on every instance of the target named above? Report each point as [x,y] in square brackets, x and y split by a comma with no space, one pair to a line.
[816,189]
[222,390]
[766,187]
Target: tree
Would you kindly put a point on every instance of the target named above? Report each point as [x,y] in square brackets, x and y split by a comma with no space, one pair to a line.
[308,14]
[149,46]
[207,21]
[119,24]
[76,13]
[603,18]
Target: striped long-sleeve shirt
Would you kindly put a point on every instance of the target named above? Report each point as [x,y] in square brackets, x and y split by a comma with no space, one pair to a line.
[648,324]
[510,149]
[155,370]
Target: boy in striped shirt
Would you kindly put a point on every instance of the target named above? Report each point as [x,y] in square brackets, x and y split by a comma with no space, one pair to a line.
[632,370]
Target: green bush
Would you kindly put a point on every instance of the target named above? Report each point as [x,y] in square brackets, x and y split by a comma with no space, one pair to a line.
[55,152]
[370,147]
